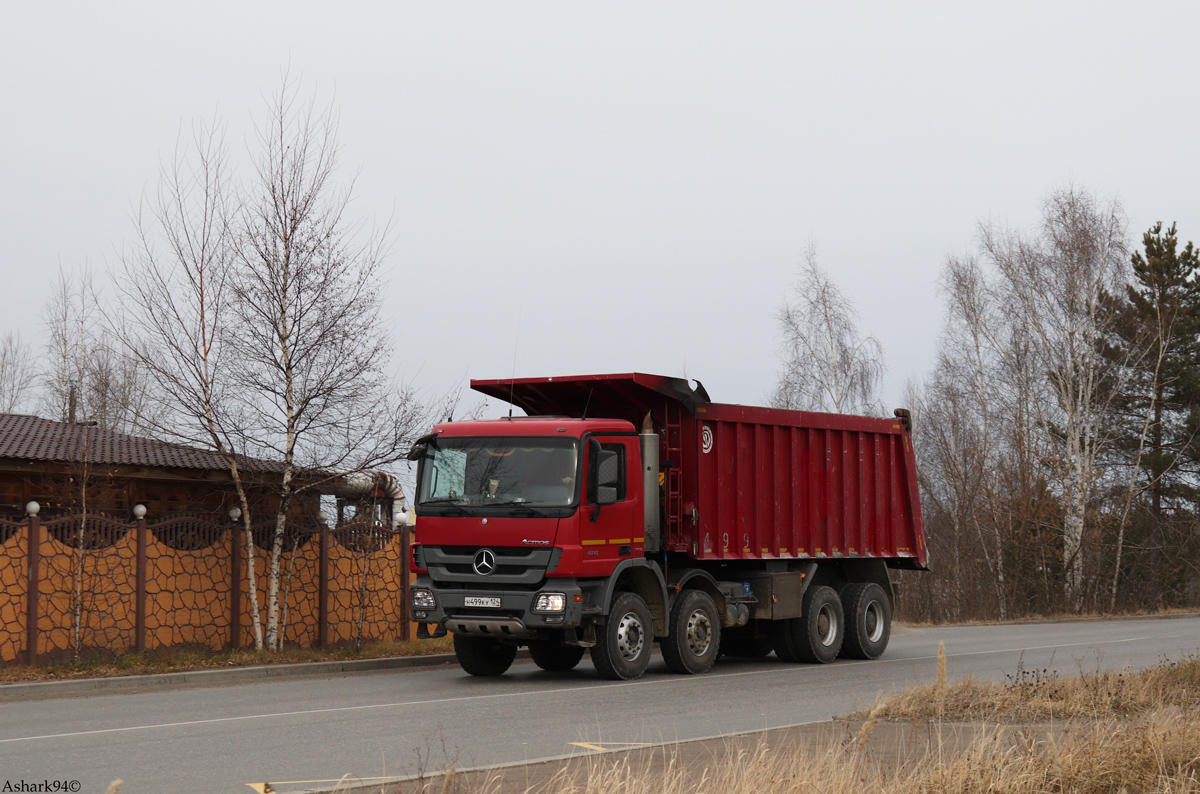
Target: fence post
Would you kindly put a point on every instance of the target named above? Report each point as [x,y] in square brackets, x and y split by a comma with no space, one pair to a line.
[405,628]
[140,596]
[33,579]
[235,586]
[323,591]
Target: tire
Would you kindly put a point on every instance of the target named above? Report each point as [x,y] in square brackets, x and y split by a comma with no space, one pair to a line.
[554,656]
[868,620]
[623,643]
[818,633]
[741,643]
[483,655]
[694,637]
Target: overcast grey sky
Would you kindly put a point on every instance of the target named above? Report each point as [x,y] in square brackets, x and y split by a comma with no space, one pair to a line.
[638,180]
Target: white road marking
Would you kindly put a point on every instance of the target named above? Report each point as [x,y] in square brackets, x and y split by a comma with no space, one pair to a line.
[573,689]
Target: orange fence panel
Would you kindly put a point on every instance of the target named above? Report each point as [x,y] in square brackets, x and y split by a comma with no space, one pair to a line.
[105,587]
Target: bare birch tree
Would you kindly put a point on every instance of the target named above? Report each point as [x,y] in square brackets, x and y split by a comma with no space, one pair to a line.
[176,285]
[312,345]
[69,316]
[1053,285]
[971,388]
[17,373]
[827,364]
[86,376]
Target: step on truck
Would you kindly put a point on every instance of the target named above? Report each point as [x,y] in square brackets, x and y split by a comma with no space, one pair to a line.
[625,510]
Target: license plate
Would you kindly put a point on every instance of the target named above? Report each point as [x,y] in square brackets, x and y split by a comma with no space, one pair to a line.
[481,601]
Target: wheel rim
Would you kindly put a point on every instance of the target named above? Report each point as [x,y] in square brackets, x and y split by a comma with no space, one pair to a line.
[827,626]
[631,637]
[699,633]
[873,621]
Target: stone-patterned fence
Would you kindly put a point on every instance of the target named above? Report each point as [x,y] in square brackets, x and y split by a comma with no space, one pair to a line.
[96,586]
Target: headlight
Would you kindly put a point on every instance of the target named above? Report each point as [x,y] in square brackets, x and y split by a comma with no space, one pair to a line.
[423,599]
[550,602]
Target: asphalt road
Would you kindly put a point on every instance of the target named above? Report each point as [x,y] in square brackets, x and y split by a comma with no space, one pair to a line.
[220,739]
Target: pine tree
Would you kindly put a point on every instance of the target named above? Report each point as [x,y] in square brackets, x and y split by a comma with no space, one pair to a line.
[1163,305]
[1156,328]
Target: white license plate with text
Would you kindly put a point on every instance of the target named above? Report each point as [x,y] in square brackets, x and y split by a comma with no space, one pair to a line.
[482,601]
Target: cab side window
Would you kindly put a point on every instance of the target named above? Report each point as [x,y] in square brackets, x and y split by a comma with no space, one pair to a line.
[622,475]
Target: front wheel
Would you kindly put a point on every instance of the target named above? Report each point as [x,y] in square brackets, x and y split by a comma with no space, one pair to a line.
[622,649]
[554,656]
[483,655]
[695,634]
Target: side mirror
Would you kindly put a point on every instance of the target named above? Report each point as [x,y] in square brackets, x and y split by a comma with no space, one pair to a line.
[421,446]
[604,472]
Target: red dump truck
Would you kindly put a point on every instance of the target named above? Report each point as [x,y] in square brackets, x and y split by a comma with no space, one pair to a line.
[630,509]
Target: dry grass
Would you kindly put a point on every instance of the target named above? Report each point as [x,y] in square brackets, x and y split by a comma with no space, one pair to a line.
[180,660]
[1160,754]
[1041,695]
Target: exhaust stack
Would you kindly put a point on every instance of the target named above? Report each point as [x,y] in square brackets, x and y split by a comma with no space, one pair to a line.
[649,442]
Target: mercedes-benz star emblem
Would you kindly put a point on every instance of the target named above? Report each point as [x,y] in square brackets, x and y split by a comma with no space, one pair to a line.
[485,562]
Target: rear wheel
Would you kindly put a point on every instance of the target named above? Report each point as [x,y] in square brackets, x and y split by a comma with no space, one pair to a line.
[622,649]
[483,655]
[868,620]
[554,656]
[818,633]
[695,634]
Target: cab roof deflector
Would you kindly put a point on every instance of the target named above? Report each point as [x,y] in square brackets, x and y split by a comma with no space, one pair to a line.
[625,396]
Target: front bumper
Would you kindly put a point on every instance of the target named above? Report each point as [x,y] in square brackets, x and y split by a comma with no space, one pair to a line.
[514,618]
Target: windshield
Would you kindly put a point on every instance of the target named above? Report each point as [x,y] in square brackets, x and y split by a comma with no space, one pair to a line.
[499,471]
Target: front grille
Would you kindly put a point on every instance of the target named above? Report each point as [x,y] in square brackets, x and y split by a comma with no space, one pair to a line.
[501,570]
[514,565]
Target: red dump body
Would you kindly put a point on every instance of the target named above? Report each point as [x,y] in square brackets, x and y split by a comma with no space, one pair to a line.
[747,483]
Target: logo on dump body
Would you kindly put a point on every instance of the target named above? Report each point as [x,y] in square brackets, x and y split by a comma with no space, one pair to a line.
[706,440]
[485,562]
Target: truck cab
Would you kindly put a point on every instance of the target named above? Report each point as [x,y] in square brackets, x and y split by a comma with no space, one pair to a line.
[522,524]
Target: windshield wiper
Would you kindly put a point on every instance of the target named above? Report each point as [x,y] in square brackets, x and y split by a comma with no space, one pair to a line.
[446,507]
[452,510]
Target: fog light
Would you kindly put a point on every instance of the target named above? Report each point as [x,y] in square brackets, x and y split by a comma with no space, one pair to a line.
[550,602]
[423,599]
[420,615]
[553,618]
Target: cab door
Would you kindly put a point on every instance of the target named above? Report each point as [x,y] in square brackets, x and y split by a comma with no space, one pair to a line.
[613,532]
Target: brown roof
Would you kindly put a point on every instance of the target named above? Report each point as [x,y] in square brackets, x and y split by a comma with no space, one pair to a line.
[33,438]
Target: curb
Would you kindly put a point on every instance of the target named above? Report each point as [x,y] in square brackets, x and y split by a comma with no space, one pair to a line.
[36,690]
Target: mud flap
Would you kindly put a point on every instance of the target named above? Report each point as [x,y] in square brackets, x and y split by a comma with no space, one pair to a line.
[582,639]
